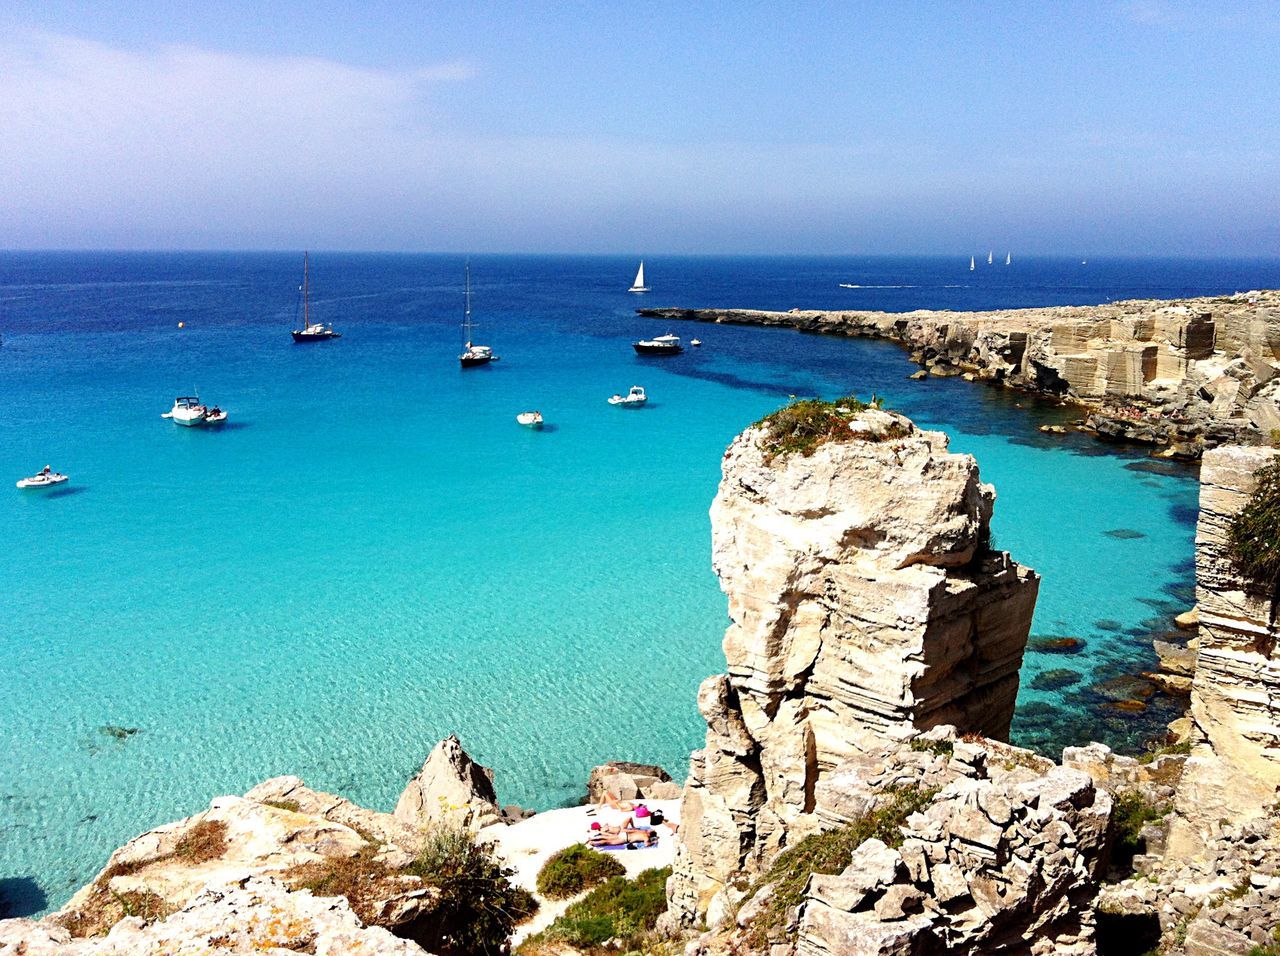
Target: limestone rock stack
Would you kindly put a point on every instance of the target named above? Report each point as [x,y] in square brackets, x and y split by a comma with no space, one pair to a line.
[863,598]
[1234,768]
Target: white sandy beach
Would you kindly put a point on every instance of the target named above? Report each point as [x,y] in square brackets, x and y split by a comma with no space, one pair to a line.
[527,845]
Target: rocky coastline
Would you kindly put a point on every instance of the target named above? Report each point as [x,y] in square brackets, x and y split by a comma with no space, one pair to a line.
[1180,375]
[855,794]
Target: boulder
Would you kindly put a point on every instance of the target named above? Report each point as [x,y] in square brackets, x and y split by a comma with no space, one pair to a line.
[450,787]
[630,781]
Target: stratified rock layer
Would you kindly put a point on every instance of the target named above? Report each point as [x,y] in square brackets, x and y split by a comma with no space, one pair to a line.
[1202,371]
[1234,768]
[863,598]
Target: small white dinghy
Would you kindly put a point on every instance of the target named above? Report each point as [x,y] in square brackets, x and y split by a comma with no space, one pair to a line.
[695,342]
[633,399]
[46,477]
[530,419]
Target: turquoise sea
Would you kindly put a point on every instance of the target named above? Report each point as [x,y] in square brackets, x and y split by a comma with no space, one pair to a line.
[372,554]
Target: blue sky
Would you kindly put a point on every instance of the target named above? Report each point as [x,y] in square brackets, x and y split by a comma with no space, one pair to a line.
[1133,127]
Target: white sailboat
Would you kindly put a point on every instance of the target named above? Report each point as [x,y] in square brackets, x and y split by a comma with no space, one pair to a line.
[971,264]
[990,252]
[1008,258]
[638,285]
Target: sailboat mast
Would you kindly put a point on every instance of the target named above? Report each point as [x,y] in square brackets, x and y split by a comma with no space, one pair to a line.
[306,291]
[466,320]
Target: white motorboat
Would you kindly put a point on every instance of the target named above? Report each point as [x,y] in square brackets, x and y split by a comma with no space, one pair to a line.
[46,477]
[695,342]
[662,345]
[633,399]
[190,411]
[530,419]
[638,285]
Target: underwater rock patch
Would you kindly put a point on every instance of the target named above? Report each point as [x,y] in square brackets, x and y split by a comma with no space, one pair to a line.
[119,733]
[1124,534]
[1055,679]
[1054,644]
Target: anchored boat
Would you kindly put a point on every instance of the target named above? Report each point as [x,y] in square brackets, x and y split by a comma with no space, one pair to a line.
[530,419]
[190,411]
[633,399]
[663,345]
[472,354]
[311,331]
[46,477]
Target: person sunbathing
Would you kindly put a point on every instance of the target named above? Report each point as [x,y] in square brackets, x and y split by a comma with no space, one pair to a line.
[631,837]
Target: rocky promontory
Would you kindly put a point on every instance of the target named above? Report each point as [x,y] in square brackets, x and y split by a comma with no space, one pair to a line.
[864,598]
[1186,374]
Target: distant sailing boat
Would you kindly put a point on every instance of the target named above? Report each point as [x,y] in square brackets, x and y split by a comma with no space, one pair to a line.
[971,266]
[311,331]
[989,253]
[638,285]
[472,354]
[1008,258]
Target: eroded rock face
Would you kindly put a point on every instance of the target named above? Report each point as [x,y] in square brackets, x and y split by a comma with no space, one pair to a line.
[280,829]
[450,787]
[1002,858]
[1234,768]
[1188,374]
[247,915]
[238,877]
[863,599]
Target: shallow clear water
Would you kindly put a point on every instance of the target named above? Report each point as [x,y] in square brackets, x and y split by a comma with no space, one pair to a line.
[372,554]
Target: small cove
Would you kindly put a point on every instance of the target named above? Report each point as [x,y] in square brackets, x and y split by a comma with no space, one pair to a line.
[375,554]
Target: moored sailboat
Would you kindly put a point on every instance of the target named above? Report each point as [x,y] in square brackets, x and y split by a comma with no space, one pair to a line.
[311,331]
[472,354]
[638,285]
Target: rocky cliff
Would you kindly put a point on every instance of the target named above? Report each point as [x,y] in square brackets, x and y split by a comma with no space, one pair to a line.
[863,599]
[1188,374]
[1234,769]
[282,869]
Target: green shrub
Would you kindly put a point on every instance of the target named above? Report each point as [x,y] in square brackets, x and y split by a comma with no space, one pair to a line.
[619,909]
[478,905]
[1132,811]
[828,852]
[1254,536]
[1157,749]
[804,425]
[574,869]
[943,748]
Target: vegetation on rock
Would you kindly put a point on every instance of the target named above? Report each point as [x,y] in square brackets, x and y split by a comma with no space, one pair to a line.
[1254,536]
[827,853]
[1132,811]
[478,905]
[574,869]
[619,912]
[803,426]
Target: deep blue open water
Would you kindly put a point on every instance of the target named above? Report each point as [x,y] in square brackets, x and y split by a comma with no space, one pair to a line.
[372,554]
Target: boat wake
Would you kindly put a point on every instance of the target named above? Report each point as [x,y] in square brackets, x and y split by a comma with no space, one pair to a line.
[849,285]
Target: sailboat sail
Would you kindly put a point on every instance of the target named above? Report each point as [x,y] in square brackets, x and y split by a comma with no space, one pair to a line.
[638,285]
[971,264]
[1008,258]
[990,252]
